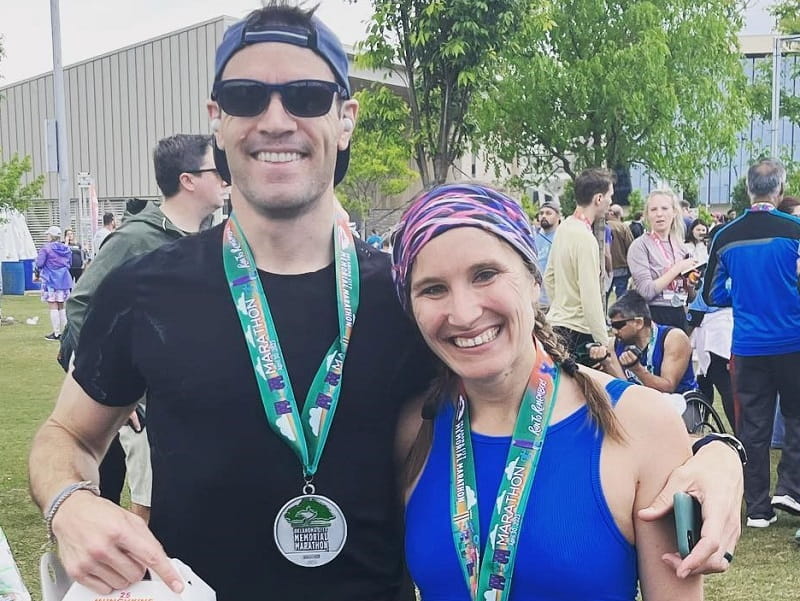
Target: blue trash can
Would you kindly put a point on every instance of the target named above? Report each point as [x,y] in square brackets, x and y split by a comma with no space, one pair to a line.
[13,277]
[27,267]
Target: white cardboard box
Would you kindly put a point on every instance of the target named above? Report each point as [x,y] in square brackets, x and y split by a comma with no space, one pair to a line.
[58,586]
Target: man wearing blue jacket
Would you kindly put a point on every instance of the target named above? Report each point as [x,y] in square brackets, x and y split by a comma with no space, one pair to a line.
[760,253]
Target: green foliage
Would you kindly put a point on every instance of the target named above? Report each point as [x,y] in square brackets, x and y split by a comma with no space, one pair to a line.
[635,202]
[567,198]
[691,193]
[656,83]
[704,215]
[739,197]
[788,14]
[446,51]
[13,193]
[759,93]
[380,152]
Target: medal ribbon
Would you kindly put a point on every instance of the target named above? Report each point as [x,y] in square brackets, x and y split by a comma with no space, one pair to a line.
[491,578]
[305,436]
[669,258]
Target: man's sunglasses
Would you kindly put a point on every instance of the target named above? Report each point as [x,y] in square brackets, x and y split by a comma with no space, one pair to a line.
[202,171]
[621,323]
[302,98]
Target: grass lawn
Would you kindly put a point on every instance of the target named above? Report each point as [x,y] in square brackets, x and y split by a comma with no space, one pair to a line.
[767,564]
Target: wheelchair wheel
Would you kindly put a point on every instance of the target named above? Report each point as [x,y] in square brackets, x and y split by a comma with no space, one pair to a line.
[700,416]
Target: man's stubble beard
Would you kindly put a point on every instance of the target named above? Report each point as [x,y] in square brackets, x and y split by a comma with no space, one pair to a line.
[281,209]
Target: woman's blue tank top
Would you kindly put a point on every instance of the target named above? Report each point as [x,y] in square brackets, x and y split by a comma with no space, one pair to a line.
[570,547]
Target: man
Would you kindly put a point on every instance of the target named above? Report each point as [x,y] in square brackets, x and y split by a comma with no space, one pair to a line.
[621,239]
[374,239]
[572,278]
[193,190]
[549,219]
[686,214]
[759,253]
[226,478]
[109,225]
[645,352]
[636,226]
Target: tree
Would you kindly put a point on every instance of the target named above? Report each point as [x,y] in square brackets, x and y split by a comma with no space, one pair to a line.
[788,14]
[760,92]
[14,194]
[380,152]
[445,50]
[656,83]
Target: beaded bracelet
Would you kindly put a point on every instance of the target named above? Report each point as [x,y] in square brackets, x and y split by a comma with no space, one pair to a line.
[63,496]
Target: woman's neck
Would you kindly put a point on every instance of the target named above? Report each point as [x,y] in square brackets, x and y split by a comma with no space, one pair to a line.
[494,405]
[663,236]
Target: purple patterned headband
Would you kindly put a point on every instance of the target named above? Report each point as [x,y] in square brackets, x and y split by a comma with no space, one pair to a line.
[458,205]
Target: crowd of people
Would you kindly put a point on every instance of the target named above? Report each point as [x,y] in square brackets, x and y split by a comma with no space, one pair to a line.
[302,440]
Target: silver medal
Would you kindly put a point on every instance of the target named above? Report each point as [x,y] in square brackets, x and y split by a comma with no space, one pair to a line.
[310,530]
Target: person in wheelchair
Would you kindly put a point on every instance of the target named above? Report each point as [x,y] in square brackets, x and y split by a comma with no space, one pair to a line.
[644,352]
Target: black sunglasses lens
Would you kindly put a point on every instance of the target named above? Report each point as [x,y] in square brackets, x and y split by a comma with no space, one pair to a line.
[618,325]
[307,98]
[243,98]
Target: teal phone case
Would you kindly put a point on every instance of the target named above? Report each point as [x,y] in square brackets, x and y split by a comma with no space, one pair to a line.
[688,522]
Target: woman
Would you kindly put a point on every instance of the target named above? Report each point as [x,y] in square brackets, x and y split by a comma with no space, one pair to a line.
[466,270]
[659,261]
[76,266]
[53,264]
[696,237]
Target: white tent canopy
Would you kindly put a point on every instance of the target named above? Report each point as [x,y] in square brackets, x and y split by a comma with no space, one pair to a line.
[16,243]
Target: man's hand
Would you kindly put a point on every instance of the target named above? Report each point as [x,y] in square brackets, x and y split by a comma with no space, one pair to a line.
[714,477]
[598,353]
[629,360]
[105,547]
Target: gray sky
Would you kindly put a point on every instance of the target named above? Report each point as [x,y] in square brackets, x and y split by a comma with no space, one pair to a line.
[92,27]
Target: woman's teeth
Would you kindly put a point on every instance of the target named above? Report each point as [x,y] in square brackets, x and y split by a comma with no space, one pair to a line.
[487,336]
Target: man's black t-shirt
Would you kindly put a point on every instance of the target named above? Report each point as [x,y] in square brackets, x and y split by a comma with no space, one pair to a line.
[165,322]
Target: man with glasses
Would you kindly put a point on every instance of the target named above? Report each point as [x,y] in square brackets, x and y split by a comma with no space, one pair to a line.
[645,352]
[192,189]
[256,487]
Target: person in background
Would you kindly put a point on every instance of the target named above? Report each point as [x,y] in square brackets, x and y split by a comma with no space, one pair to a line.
[659,261]
[636,226]
[686,214]
[621,240]
[466,271]
[109,225]
[791,206]
[78,255]
[758,253]
[52,265]
[549,219]
[696,237]
[711,332]
[374,239]
[644,351]
[572,277]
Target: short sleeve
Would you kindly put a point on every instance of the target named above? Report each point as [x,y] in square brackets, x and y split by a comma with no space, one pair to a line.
[104,365]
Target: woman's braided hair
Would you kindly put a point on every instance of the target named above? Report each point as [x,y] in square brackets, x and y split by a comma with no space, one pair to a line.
[597,400]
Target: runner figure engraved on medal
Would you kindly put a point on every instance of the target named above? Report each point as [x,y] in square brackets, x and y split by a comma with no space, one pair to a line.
[310,530]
